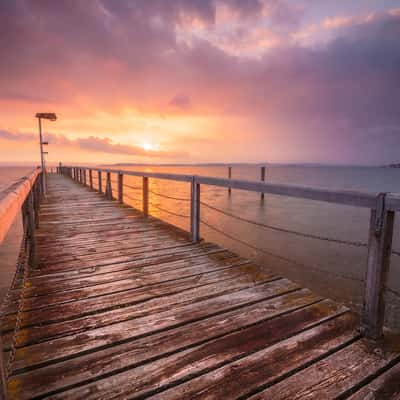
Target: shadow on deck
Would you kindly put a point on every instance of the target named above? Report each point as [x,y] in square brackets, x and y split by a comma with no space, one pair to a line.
[122,306]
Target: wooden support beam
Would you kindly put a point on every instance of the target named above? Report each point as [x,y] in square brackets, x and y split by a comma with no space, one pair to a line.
[84,176]
[120,187]
[195,211]
[379,252]
[145,195]
[91,178]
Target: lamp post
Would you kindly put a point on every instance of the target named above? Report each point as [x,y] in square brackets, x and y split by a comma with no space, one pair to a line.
[51,117]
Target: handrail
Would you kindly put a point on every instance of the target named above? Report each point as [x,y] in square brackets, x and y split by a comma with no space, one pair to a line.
[12,199]
[382,206]
[346,197]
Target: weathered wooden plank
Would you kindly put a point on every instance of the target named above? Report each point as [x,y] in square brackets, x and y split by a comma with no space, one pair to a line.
[156,297]
[96,338]
[32,311]
[135,278]
[149,266]
[384,387]
[219,334]
[244,365]
[335,375]
[77,266]
[42,333]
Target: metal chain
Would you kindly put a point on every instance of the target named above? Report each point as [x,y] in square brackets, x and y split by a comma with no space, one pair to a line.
[169,197]
[24,267]
[292,232]
[131,187]
[132,198]
[170,212]
[280,257]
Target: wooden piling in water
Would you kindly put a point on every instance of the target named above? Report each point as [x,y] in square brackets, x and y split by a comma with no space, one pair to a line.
[145,195]
[229,177]
[195,211]
[120,187]
[262,180]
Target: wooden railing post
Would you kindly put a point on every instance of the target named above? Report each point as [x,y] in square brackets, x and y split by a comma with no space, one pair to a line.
[379,251]
[145,196]
[120,187]
[195,211]
[108,187]
[262,180]
[84,175]
[100,182]
[91,178]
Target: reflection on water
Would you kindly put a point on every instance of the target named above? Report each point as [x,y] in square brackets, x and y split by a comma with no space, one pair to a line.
[331,269]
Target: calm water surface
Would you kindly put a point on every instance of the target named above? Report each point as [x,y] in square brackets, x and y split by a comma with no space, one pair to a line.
[331,269]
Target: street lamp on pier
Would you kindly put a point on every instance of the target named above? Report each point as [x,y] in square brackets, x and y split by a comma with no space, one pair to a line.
[51,117]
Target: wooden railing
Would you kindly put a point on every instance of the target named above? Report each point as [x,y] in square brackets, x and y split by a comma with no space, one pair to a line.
[21,197]
[382,205]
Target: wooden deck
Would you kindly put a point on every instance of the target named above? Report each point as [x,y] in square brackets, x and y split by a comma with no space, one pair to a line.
[126,307]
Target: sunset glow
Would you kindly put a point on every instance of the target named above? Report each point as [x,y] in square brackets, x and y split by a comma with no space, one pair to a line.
[209,81]
[147,146]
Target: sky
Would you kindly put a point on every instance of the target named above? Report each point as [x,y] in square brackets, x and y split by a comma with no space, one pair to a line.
[191,81]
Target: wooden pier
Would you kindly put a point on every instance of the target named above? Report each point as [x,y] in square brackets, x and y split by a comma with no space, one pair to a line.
[115,304]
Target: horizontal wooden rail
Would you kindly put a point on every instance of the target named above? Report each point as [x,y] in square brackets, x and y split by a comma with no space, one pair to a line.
[382,206]
[345,197]
[12,199]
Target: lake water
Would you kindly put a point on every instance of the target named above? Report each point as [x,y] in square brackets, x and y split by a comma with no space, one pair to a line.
[331,269]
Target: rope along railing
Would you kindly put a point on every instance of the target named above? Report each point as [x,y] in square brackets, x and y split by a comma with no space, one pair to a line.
[132,187]
[284,230]
[132,198]
[169,211]
[277,256]
[168,196]
[382,207]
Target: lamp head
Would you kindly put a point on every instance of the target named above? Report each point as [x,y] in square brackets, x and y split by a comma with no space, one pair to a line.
[50,116]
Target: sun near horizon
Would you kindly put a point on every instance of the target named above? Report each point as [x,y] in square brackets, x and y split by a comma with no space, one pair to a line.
[274,81]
